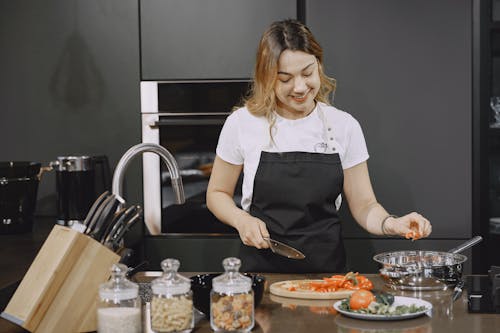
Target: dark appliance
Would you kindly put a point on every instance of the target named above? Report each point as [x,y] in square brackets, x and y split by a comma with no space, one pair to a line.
[484,292]
[18,193]
[185,117]
[79,181]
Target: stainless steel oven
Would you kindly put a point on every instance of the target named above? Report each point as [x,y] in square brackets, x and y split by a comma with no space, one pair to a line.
[186,118]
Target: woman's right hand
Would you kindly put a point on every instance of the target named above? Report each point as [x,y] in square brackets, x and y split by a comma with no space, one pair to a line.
[252,230]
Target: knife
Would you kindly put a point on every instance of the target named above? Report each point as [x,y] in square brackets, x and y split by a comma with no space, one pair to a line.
[283,249]
[97,214]
[94,208]
[117,238]
[113,222]
[105,217]
[117,224]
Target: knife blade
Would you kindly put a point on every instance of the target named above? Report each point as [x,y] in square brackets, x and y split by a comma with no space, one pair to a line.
[97,214]
[117,238]
[110,225]
[94,208]
[284,249]
[107,215]
[117,224]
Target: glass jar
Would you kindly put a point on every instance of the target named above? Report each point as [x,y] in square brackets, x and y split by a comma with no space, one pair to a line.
[119,304]
[231,300]
[172,300]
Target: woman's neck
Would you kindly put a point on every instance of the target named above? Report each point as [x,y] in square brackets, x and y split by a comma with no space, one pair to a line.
[292,114]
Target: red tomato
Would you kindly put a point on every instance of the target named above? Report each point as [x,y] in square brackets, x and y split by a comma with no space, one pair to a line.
[360,299]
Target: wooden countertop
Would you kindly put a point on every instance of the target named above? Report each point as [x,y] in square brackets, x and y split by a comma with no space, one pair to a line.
[279,314]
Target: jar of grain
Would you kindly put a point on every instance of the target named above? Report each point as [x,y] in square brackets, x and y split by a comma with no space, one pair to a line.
[119,305]
[172,300]
[231,300]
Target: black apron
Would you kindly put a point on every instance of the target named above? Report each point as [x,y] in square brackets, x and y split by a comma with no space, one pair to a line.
[294,194]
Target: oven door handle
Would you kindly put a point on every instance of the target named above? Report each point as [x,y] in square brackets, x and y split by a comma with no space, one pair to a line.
[190,119]
[188,122]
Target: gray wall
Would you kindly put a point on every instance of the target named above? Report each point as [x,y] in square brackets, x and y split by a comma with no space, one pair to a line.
[69,83]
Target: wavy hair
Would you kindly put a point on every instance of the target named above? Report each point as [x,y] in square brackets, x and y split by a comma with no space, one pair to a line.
[280,36]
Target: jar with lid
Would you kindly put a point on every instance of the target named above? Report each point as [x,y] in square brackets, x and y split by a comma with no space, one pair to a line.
[119,304]
[231,300]
[172,300]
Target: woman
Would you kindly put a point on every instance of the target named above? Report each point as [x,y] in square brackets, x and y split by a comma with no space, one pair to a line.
[297,154]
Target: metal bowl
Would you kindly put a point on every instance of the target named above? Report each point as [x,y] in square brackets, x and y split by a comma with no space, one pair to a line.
[421,270]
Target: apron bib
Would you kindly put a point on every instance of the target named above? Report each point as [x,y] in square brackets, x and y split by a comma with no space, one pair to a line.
[294,194]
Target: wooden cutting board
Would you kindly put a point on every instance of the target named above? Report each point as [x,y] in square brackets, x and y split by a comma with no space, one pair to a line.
[281,288]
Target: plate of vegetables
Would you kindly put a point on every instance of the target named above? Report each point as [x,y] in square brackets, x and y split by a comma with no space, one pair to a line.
[364,304]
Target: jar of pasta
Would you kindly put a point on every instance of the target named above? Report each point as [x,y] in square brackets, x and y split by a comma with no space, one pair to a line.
[119,304]
[231,300]
[172,300]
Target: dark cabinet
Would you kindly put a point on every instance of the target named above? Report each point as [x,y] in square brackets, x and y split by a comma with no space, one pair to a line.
[192,39]
[489,105]
[422,91]
[403,69]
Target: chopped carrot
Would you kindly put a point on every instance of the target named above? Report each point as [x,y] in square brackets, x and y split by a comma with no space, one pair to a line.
[351,281]
[414,234]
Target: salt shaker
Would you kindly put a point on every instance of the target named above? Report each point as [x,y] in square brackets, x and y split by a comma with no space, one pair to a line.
[119,305]
[231,300]
[172,300]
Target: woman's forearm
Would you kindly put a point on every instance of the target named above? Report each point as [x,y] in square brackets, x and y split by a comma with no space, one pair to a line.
[371,218]
[223,207]
[251,229]
[376,220]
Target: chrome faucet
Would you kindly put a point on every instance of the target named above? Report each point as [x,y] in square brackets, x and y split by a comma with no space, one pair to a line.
[165,156]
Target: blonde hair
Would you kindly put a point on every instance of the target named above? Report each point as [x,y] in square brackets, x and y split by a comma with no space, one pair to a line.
[280,36]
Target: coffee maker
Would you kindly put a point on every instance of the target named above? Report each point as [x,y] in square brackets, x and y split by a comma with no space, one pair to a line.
[79,181]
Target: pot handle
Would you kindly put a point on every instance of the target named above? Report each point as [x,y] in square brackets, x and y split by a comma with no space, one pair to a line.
[43,170]
[466,245]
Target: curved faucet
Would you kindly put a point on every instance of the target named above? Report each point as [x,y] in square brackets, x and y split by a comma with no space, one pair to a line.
[165,156]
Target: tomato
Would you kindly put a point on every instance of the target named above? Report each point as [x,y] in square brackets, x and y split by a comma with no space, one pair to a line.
[360,299]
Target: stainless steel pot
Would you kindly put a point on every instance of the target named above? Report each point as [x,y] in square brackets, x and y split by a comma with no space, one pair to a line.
[423,270]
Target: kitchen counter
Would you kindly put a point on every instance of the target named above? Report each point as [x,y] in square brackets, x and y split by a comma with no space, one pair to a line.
[275,314]
[280,314]
[284,315]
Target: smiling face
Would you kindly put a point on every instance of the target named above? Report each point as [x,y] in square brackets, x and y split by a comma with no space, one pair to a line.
[297,84]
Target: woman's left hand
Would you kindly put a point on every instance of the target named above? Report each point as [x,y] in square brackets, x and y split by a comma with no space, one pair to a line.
[412,226]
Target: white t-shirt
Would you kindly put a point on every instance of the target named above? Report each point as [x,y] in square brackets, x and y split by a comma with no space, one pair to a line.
[244,136]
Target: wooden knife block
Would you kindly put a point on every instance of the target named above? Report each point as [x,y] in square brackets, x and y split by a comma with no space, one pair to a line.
[59,291]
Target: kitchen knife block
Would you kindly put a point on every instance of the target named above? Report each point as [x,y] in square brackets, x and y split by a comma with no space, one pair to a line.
[59,291]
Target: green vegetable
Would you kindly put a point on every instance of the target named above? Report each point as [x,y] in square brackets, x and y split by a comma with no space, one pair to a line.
[383,298]
[383,306]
